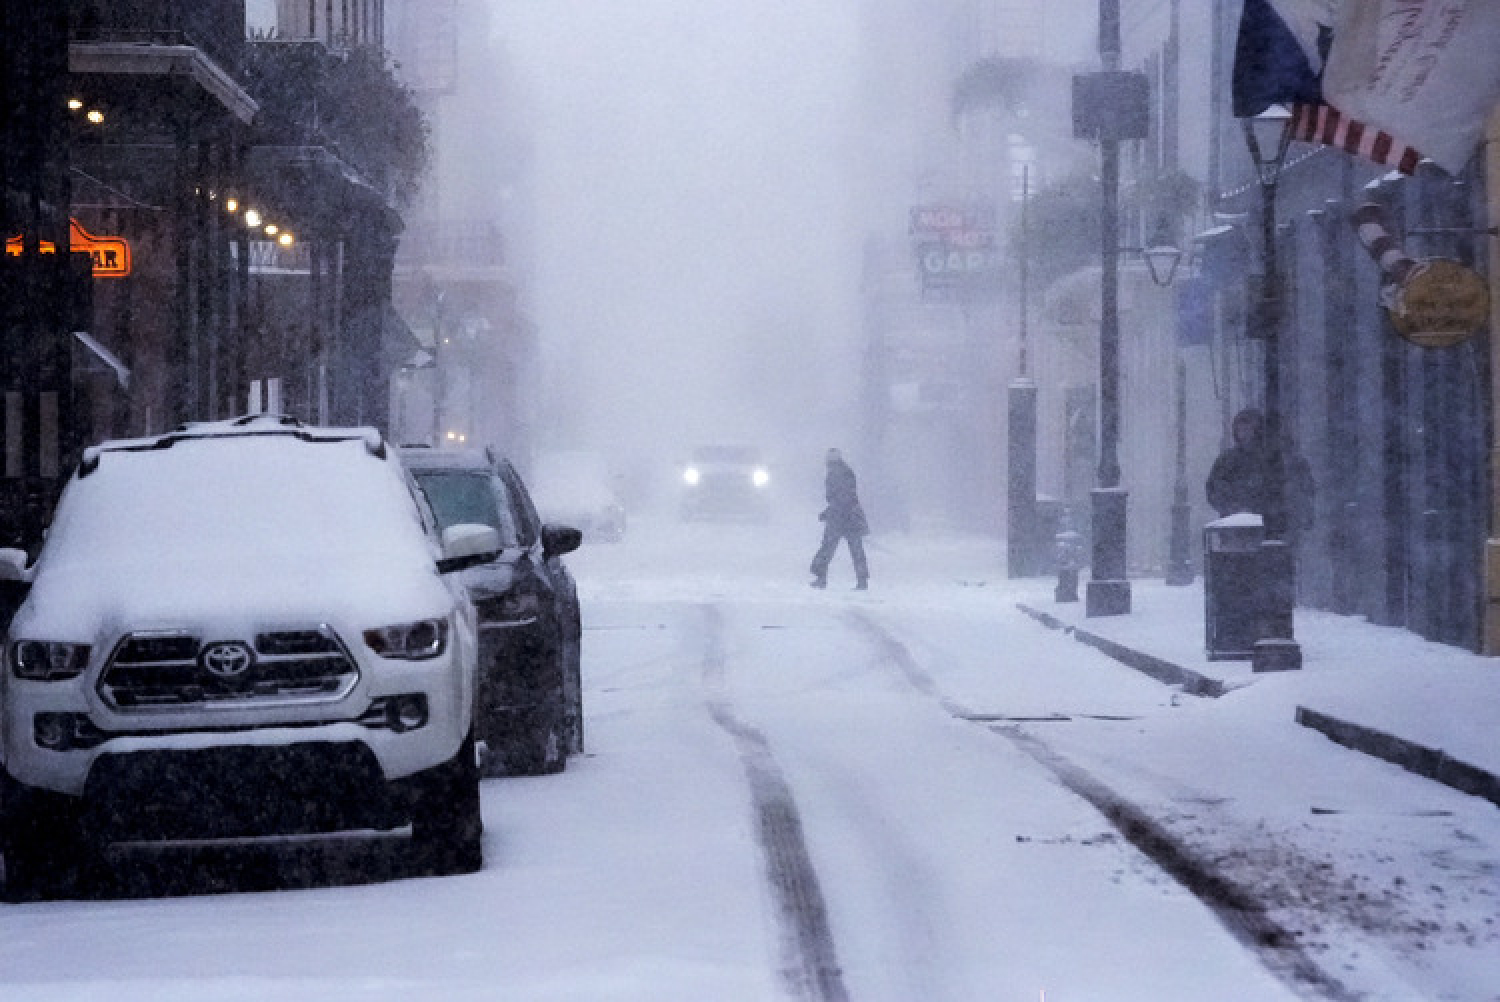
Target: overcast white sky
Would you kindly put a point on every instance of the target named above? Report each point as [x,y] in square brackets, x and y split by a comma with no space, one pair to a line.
[697,248]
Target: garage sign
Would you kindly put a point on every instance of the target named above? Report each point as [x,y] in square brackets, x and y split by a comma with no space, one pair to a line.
[955,245]
[110,255]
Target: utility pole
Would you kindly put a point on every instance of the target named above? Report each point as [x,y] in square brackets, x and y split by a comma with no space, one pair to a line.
[1179,540]
[1108,592]
[1024,550]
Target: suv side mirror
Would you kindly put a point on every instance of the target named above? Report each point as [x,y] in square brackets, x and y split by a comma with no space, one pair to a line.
[15,583]
[468,544]
[560,539]
[13,565]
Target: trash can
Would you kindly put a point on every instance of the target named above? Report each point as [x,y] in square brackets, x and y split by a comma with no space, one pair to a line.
[1235,580]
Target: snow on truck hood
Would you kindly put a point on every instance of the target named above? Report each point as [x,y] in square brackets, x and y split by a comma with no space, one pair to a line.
[264,529]
[81,601]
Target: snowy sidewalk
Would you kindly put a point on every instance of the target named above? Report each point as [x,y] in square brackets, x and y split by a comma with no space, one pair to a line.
[1385,691]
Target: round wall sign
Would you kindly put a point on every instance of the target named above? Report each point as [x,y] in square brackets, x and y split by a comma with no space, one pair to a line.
[1441,304]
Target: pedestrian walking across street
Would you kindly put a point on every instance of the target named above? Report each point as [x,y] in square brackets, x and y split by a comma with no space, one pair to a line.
[843,519]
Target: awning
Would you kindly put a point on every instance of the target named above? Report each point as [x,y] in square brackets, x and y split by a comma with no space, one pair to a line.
[401,347]
[146,59]
[103,354]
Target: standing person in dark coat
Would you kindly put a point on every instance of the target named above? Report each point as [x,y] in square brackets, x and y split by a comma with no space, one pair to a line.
[1241,478]
[844,519]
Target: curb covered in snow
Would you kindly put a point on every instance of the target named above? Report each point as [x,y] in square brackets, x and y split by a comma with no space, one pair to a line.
[1191,681]
[1431,763]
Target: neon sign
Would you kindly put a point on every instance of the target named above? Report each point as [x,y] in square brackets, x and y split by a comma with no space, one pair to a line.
[111,255]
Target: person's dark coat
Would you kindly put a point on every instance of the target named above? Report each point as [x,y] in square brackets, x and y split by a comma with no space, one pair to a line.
[1242,478]
[844,515]
[843,521]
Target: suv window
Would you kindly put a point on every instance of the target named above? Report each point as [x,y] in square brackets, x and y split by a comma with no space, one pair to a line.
[459,496]
[525,512]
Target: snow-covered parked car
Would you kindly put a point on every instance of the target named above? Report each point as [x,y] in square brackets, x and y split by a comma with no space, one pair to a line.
[239,628]
[530,716]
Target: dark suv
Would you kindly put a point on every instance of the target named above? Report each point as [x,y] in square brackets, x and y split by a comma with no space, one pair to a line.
[530,706]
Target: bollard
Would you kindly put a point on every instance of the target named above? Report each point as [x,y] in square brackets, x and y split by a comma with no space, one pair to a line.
[1068,549]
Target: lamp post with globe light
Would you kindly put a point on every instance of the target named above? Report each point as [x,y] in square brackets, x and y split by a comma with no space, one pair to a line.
[1267,137]
[1162,257]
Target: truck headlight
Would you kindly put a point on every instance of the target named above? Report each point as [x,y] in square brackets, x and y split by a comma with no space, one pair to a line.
[691,476]
[48,660]
[760,478]
[419,641]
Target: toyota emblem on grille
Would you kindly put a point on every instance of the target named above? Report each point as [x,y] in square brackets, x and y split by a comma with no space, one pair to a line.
[228,661]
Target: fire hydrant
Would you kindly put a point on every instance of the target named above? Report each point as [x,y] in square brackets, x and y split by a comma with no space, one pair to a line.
[1068,549]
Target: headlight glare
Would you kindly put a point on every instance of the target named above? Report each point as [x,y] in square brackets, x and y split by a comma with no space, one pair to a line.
[691,476]
[47,660]
[760,477]
[419,641]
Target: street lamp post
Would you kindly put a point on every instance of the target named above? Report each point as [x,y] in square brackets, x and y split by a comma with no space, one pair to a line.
[1179,544]
[1109,106]
[1162,258]
[1267,136]
[1024,552]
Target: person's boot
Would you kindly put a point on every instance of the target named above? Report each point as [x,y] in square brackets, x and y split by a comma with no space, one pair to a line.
[819,581]
[863,584]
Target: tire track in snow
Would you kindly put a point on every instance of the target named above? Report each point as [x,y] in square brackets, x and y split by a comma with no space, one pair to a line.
[809,962]
[896,653]
[1237,907]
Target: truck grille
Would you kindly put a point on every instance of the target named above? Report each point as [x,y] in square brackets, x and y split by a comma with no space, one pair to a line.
[175,670]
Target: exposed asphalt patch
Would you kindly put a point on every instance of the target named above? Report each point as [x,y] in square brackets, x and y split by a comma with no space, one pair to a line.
[809,962]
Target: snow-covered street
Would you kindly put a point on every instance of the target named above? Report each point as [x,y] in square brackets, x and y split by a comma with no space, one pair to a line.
[792,794]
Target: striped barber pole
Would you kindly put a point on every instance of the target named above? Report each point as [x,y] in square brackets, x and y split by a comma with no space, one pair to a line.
[1321,123]
[1395,265]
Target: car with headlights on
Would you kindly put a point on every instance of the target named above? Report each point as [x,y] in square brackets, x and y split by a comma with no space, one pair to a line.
[726,482]
[530,716]
[238,629]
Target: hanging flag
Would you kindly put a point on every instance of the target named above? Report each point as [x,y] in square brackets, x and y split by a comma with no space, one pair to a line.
[1280,58]
[1425,71]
